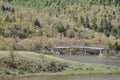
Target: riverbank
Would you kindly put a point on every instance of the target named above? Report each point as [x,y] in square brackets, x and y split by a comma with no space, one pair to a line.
[112,57]
[31,64]
[48,76]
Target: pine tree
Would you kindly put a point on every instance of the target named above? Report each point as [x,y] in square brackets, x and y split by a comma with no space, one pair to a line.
[114,31]
[3,8]
[94,24]
[82,21]
[87,22]
[37,23]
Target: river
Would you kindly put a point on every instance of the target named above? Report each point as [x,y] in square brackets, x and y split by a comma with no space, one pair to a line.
[91,59]
[93,77]
[112,77]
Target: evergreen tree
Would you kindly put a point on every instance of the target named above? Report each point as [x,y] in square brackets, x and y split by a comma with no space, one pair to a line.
[114,31]
[107,33]
[116,46]
[82,20]
[61,28]
[37,23]
[87,22]
[109,26]
[118,30]
[94,24]
[3,8]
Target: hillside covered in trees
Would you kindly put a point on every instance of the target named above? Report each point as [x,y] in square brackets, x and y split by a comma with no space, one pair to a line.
[37,25]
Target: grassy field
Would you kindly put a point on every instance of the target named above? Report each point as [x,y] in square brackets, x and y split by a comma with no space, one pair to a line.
[28,63]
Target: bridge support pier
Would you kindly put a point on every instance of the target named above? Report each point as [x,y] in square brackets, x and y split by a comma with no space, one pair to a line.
[53,51]
[70,52]
[56,51]
[85,52]
[100,52]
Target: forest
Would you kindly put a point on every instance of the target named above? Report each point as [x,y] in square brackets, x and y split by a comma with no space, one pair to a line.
[38,25]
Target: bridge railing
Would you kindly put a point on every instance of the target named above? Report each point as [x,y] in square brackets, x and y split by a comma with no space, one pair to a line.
[81,47]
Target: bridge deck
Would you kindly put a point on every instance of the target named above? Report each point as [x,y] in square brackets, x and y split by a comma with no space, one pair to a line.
[81,47]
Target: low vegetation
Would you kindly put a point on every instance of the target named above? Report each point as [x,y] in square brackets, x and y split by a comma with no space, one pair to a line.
[28,62]
[22,62]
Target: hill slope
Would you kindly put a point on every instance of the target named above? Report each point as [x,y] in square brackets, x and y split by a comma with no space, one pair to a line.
[43,24]
[22,62]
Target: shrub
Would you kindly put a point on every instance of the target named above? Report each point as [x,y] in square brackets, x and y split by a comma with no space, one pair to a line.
[7,72]
[116,46]
[107,33]
[61,28]
[21,72]
[3,8]
[37,23]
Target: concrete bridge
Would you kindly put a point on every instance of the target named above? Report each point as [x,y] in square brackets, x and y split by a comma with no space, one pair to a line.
[56,49]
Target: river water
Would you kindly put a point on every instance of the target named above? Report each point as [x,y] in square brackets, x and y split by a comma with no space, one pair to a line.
[91,59]
[101,77]
[113,77]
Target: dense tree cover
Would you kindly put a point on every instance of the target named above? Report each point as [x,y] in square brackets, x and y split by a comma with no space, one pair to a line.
[105,26]
[24,19]
[58,2]
[106,2]
[113,49]
[62,3]
[56,7]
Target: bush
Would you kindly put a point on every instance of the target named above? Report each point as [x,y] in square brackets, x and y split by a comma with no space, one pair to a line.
[61,28]
[21,72]
[37,23]
[3,8]
[112,52]
[7,72]
[107,33]
[116,46]
[4,47]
